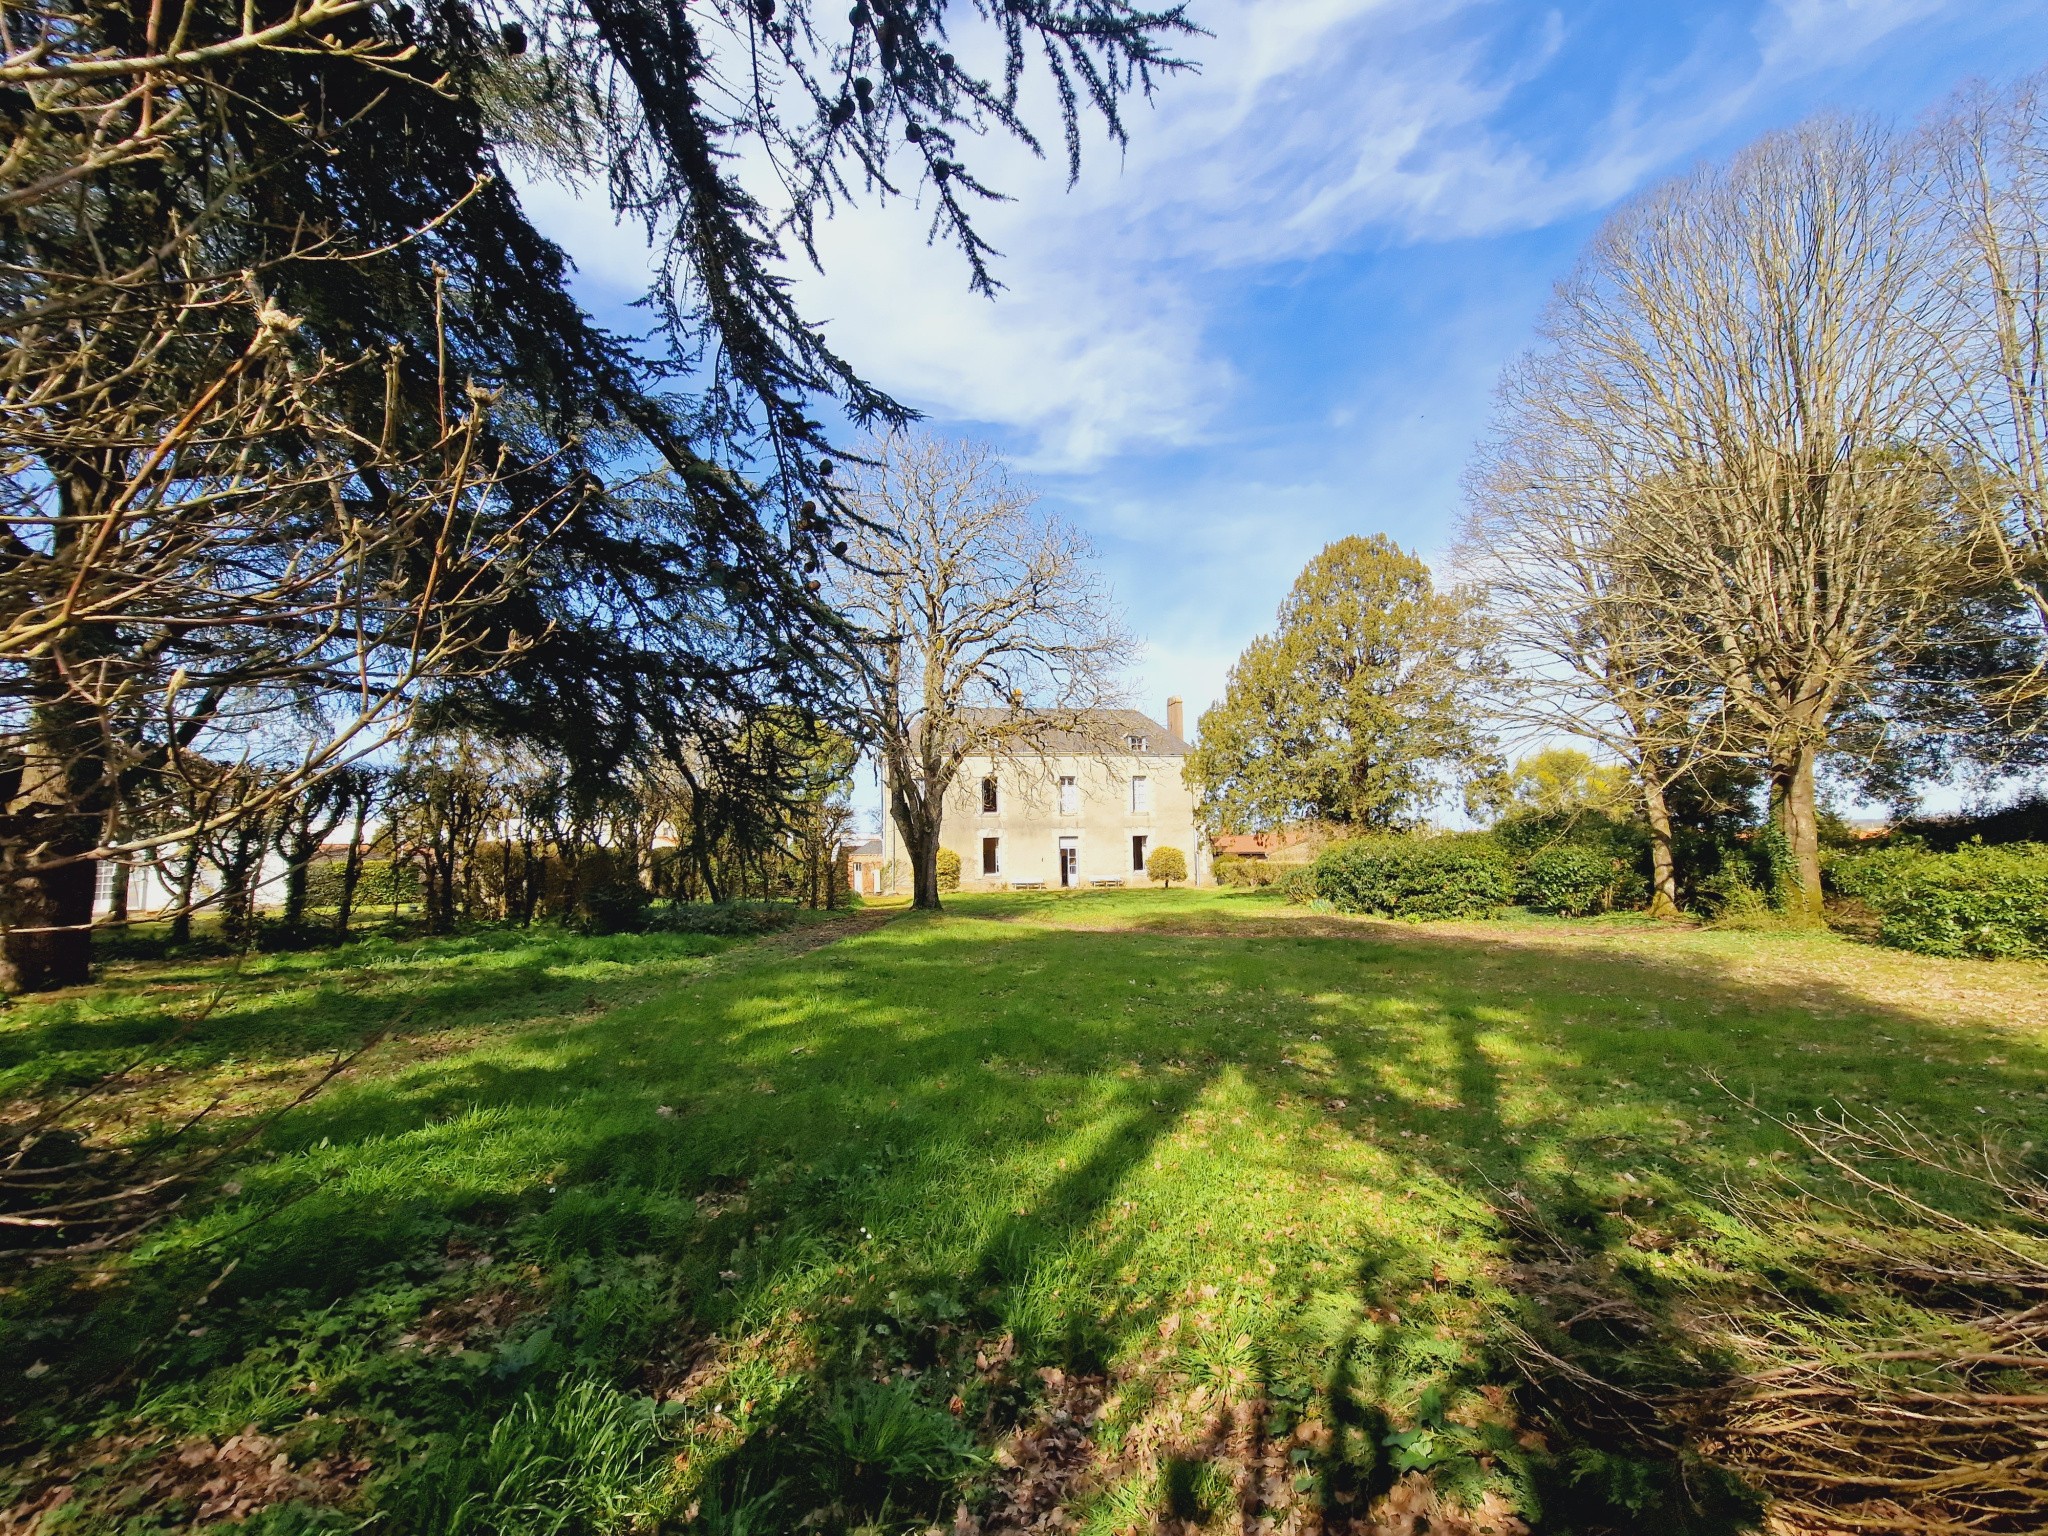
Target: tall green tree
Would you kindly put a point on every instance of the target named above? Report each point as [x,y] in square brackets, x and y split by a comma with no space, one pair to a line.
[1351,712]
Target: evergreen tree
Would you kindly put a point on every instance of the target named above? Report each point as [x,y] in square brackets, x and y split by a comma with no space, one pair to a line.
[1351,710]
[265,288]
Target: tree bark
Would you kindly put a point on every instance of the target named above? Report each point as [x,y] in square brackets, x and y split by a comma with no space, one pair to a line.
[1663,853]
[351,870]
[48,831]
[1795,812]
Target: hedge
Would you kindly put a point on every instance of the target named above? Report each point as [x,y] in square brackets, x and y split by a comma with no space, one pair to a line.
[1245,874]
[1982,902]
[380,883]
[1568,882]
[1415,877]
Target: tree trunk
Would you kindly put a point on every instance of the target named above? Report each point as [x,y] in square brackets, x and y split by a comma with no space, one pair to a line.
[47,833]
[351,871]
[188,882]
[1663,855]
[298,875]
[1795,814]
[117,892]
[921,842]
[47,915]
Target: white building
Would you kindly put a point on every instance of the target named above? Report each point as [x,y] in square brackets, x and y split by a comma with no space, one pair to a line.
[1082,807]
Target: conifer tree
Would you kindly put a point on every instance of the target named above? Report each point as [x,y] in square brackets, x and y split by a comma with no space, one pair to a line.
[1352,709]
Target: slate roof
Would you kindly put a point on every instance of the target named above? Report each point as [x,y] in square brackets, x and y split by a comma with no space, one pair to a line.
[1102,733]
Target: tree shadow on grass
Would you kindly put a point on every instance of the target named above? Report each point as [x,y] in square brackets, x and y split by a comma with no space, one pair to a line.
[893,1152]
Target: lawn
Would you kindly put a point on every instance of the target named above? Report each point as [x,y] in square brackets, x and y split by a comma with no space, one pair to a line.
[1080,1212]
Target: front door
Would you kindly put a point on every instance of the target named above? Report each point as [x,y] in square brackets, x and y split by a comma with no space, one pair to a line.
[1070,862]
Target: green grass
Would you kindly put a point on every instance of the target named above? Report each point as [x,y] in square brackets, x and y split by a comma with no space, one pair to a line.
[622,1233]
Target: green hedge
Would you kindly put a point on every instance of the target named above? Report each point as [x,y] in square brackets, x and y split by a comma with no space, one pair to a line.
[381,883]
[1568,882]
[1416,877]
[1245,874]
[1984,902]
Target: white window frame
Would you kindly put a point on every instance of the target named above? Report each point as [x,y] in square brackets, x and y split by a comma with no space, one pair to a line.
[1141,795]
[989,789]
[1070,795]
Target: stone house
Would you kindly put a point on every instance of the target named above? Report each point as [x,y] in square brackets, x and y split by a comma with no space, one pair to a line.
[1081,807]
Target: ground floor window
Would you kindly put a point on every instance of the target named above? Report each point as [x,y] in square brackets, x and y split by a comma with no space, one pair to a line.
[1138,854]
[991,855]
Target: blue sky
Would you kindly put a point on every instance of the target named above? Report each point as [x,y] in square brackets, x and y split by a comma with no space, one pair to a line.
[1277,318]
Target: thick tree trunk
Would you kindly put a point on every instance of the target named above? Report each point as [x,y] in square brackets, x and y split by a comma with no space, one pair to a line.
[1795,812]
[1663,855]
[47,916]
[47,833]
[921,843]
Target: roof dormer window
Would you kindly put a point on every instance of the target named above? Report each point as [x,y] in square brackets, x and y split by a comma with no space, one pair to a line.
[1138,743]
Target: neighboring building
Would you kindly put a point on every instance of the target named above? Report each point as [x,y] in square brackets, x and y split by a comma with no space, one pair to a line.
[1083,807]
[1290,846]
[864,866]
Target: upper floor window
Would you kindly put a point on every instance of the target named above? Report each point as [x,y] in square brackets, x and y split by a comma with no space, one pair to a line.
[1141,793]
[1138,743]
[988,796]
[1070,796]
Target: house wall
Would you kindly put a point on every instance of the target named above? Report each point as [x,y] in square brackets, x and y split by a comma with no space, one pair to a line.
[1028,823]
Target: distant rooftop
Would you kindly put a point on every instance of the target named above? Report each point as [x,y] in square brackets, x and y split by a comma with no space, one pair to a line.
[1110,732]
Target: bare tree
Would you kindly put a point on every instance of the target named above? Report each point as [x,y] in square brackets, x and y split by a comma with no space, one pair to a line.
[1989,156]
[1586,647]
[1751,350]
[236,587]
[986,629]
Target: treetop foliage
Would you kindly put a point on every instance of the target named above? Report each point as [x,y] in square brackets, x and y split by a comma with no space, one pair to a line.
[1351,708]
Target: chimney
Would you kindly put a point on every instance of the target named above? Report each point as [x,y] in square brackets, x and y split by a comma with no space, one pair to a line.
[1174,718]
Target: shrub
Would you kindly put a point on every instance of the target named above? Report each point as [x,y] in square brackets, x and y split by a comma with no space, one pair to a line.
[949,870]
[1873,876]
[1296,882]
[1245,874]
[1415,877]
[725,919]
[1167,865]
[1568,882]
[380,883]
[1987,902]
[615,905]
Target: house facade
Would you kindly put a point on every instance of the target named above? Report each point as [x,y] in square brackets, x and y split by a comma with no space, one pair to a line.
[1086,807]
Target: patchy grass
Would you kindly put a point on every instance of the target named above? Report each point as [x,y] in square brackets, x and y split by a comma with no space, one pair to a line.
[1141,1205]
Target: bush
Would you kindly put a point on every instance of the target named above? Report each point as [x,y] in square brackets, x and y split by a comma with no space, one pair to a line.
[612,906]
[1296,882]
[380,883]
[1569,882]
[1873,876]
[1415,877]
[1986,902]
[1246,874]
[949,870]
[1167,865]
[724,919]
